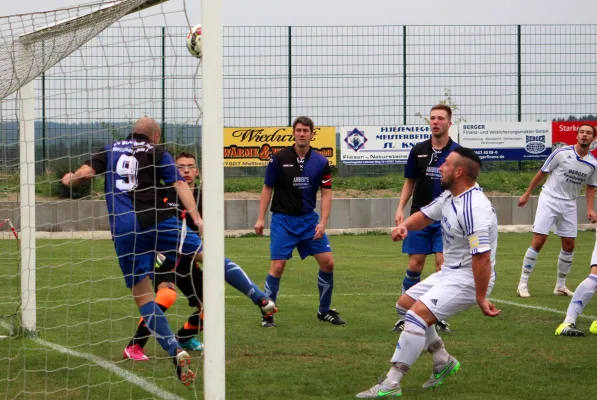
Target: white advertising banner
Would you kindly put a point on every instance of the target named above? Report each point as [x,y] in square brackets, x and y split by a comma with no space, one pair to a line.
[503,141]
[382,144]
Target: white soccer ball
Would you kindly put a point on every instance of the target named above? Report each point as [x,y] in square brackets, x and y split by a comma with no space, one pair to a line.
[194,41]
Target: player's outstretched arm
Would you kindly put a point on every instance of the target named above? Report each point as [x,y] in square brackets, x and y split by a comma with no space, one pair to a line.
[590,195]
[536,181]
[266,196]
[482,275]
[84,173]
[407,191]
[415,222]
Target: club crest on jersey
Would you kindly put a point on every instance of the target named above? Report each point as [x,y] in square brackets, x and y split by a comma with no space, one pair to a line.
[355,139]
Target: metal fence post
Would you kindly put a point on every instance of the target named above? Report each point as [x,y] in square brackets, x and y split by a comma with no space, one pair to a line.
[290,76]
[163,84]
[404,72]
[519,54]
[43,123]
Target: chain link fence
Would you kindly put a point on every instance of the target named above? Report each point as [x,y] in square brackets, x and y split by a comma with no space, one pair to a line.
[357,75]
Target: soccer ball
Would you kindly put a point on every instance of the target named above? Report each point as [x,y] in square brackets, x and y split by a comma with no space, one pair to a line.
[194,41]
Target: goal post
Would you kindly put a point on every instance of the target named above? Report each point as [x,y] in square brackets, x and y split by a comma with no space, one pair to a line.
[26,98]
[213,184]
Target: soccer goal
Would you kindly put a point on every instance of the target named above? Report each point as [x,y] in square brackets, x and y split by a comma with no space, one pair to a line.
[71,80]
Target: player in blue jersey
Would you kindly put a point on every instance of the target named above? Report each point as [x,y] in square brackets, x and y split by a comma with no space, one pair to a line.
[422,182]
[294,175]
[142,224]
[187,276]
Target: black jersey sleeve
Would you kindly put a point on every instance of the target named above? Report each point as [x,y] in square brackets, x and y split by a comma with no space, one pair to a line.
[98,161]
[166,167]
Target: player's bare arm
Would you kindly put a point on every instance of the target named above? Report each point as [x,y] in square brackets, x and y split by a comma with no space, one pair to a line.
[266,196]
[536,181]
[326,206]
[185,196]
[84,173]
[482,275]
[407,191]
[590,195]
[415,222]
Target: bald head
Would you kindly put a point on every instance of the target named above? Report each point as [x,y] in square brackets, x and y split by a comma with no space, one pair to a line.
[148,127]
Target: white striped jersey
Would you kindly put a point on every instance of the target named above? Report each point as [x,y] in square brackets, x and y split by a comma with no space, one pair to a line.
[568,172]
[469,226]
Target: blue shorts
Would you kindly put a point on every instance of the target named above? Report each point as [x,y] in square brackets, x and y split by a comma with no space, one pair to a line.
[136,250]
[426,241]
[290,231]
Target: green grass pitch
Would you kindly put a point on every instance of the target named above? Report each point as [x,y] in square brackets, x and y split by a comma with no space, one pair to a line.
[84,306]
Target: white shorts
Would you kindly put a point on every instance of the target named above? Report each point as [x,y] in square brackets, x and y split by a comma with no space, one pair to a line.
[556,215]
[448,292]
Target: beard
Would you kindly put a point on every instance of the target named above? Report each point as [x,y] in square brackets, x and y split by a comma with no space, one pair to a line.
[446,183]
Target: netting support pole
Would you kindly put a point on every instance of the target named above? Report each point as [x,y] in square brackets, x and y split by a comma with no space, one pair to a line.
[212,159]
[27,206]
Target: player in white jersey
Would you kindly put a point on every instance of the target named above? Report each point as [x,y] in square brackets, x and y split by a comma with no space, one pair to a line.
[583,294]
[469,230]
[568,168]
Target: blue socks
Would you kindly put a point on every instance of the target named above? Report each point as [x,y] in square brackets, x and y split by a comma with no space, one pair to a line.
[325,283]
[156,322]
[410,279]
[272,287]
[238,279]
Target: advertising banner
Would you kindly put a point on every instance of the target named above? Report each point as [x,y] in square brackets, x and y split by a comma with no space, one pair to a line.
[502,141]
[382,144]
[253,147]
[564,133]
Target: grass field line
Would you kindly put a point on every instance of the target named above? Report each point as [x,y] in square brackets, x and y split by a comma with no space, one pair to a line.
[539,308]
[123,373]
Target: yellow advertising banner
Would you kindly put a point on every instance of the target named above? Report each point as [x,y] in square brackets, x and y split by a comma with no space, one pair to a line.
[253,147]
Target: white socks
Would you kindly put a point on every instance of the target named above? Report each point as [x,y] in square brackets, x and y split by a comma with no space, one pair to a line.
[528,263]
[408,349]
[581,298]
[435,345]
[564,264]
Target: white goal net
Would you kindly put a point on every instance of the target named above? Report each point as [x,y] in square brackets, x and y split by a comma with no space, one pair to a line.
[72,80]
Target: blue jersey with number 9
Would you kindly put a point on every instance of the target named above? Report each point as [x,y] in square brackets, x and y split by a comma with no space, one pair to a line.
[134,169]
